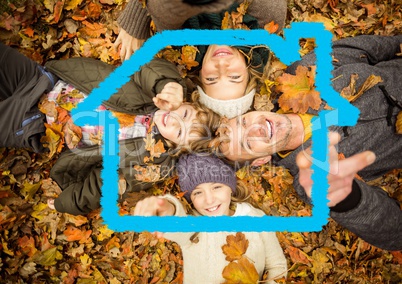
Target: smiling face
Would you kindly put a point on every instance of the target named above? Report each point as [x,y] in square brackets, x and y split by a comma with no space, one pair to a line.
[224,73]
[212,199]
[260,134]
[175,125]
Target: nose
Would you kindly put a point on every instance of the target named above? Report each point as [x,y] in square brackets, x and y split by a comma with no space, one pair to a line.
[222,63]
[209,197]
[257,131]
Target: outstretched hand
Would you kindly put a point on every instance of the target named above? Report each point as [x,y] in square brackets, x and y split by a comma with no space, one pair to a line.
[341,173]
[154,206]
[129,44]
[170,98]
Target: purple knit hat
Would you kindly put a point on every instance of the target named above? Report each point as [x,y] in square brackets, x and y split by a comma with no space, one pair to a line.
[197,169]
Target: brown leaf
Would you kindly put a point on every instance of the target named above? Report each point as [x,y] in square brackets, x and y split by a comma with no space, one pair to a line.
[93,29]
[297,255]
[236,246]
[242,271]
[298,91]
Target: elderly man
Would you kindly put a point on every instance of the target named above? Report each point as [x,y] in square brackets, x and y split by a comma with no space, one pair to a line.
[368,211]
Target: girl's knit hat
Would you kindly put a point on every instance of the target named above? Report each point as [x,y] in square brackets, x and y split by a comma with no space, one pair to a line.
[228,108]
[195,169]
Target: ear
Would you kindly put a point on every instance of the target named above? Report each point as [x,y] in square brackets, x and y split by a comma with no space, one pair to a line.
[261,161]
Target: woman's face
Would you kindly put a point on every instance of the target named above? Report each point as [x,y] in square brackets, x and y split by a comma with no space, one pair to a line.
[224,73]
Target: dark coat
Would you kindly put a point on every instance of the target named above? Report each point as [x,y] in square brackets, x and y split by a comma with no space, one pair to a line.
[77,172]
[368,212]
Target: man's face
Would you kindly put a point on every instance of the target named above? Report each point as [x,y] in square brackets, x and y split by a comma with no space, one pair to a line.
[256,134]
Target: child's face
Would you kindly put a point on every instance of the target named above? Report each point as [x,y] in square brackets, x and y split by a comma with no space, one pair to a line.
[175,125]
[212,199]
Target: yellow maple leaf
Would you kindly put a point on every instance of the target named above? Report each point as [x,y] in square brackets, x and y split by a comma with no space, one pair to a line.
[171,55]
[188,54]
[242,271]
[236,246]
[53,139]
[226,22]
[298,91]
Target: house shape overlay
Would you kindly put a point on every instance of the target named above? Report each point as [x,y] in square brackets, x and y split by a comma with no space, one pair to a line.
[286,49]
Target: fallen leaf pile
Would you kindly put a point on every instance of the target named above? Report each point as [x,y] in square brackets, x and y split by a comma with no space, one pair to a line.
[39,245]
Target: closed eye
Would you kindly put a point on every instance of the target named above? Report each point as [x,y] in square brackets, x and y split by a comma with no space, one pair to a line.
[234,77]
[211,79]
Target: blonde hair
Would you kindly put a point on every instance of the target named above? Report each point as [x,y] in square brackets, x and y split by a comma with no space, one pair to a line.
[242,192]
[204,126]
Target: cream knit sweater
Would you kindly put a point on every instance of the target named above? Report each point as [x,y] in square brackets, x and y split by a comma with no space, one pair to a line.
[203,262]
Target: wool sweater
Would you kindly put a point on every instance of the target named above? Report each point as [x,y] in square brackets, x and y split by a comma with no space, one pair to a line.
[171,15]
[368,211]
[204,261]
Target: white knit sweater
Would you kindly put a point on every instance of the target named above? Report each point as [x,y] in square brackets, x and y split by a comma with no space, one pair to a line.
[203,262]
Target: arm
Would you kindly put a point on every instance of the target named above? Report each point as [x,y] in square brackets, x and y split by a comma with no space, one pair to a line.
[365,210]
[275,261]
[78,175]
[369,49]
[135,21]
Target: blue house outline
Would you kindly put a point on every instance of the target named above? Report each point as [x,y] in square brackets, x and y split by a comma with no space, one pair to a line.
[286,49]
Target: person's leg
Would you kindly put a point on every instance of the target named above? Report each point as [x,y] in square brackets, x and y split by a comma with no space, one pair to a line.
[22,83]
[15,71]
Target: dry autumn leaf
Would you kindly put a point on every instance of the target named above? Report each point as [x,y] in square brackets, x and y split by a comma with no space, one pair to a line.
[187,58]
[399,123]
[242,271]
[298,92]
[236,246]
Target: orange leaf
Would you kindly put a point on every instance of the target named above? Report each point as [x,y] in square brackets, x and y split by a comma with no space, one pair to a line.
[93,30]
[242,271]
[271,27]
[75,234]
[298,91]
[236,246]
[297,255]
[29,32]
[27,245]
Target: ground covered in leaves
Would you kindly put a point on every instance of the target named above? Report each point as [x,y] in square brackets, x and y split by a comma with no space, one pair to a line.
[39,245]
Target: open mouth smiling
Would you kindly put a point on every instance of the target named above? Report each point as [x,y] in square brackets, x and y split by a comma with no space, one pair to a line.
[221,52]
[212,209]
[270,130]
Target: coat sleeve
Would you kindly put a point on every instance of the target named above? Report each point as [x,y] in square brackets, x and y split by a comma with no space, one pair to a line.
[81,197]
[369,49]
[376,219]
[78,175]
[135,20]
[145,84]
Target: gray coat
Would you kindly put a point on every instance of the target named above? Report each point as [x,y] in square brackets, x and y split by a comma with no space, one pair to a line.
[368,211]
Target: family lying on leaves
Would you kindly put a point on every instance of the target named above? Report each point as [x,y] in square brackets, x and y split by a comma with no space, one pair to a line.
[218,123]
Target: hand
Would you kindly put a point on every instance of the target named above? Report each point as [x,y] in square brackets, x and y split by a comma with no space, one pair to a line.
[170,98]
[154,206]
[129,44]
[341,173]
[50,203]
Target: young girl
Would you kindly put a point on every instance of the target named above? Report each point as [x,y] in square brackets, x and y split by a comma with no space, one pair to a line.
[212,188]
[179,125]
